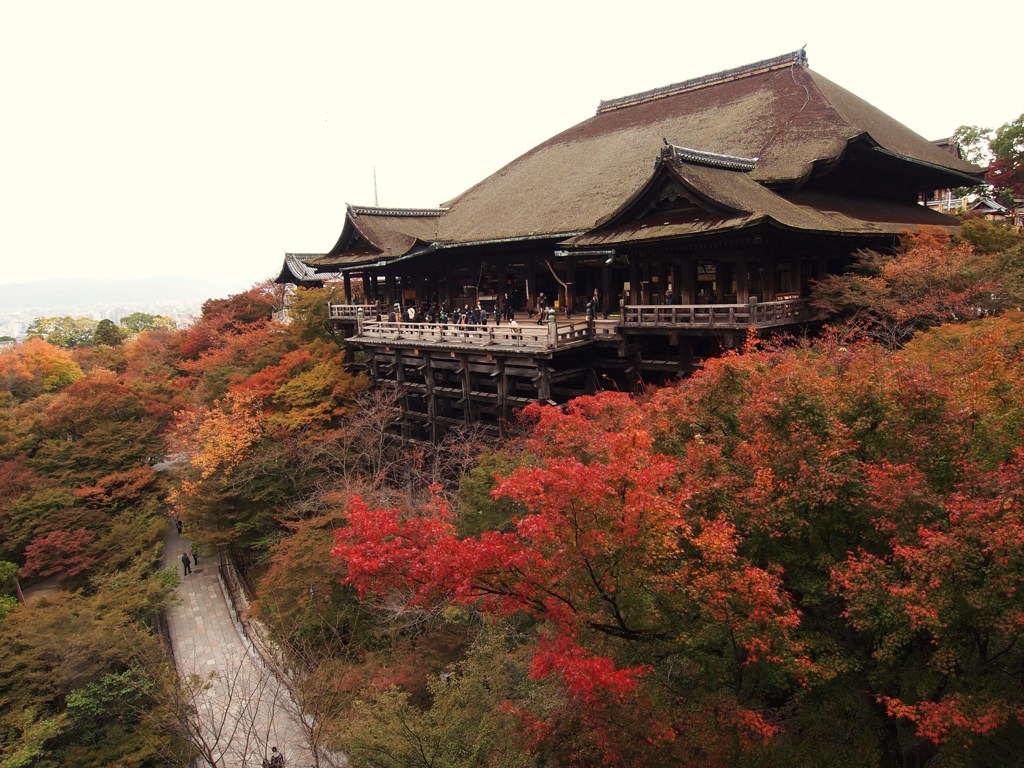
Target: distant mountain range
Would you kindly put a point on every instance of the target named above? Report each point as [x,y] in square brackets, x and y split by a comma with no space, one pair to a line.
[64,292]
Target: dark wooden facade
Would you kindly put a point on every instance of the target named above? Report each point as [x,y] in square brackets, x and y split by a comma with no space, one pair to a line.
[688,214]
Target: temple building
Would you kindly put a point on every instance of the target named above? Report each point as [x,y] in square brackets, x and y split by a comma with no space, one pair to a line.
[658,231]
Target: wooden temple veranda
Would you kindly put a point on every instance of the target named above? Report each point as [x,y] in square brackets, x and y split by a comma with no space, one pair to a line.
[660,231]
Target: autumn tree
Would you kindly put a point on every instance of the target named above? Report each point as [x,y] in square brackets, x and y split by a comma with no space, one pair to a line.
[220,319]
[806,543]
[96,425]
[620,569]
[928,281]
[35,367]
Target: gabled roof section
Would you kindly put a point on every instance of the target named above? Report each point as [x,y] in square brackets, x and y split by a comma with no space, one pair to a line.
[831,118]
[373,234]
[297,271]
[726,199]
[673,193]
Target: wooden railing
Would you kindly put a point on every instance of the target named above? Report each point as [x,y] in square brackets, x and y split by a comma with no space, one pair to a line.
[759,314]
[551,335]
[531,335]
[350,312]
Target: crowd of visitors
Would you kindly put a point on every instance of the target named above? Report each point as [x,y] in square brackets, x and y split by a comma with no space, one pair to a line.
[434,312]
[476,314]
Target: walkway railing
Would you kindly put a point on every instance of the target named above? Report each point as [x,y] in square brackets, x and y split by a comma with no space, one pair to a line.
[763,314]
[552,335]
[530,336]
[350,312]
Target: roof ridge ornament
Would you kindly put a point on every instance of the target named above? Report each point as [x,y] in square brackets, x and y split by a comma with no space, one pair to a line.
[796,58]
[680,155]
[372,210]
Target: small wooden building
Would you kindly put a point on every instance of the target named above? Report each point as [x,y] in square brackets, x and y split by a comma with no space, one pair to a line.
[682,215]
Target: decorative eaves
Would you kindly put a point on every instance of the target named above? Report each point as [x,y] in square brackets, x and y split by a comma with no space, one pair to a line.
[299,268]
[681,155]
[363,210]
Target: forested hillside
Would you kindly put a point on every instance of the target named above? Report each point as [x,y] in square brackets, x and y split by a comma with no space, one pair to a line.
[810,553]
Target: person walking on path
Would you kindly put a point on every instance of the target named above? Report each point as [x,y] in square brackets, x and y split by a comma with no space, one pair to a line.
[195,555]
[276,759]
[177,524]
[206,639]
[187,563]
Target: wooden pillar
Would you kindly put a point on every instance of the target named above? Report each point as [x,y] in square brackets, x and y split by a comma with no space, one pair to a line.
[403,393]
[502,287]
[685,355]
[428,381]
[390,296]
[768,278]
[467,387]
[608,297]
[570,282]
[347,287]
[543,381]
[502,387]
[742,279]
[373,364]
[688,282]
[531,282]
[634,296]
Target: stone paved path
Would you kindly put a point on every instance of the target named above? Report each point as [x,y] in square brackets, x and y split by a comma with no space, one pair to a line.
[244,710]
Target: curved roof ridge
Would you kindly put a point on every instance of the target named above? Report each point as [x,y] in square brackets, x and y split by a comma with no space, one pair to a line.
[680,155]
[765,65]
[372,210]
[296,266]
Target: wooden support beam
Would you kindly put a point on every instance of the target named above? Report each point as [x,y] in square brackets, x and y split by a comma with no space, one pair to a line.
[467,388]
[543,382]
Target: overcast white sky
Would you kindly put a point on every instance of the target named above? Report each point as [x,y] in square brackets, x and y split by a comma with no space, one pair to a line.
[208,138]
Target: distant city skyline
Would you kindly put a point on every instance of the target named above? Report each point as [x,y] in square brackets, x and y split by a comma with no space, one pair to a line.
[208,140]
[16,321]
[178,297]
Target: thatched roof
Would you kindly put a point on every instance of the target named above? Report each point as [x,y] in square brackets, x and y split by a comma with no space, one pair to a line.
[374,234]
[717,193]
[791,123]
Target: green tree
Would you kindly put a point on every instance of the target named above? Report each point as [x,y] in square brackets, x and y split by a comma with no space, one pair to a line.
[989,237]
[1006,173]
[974,144]
[107,334]
[75,648]
[137,322]
[309,314]
[63,331]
